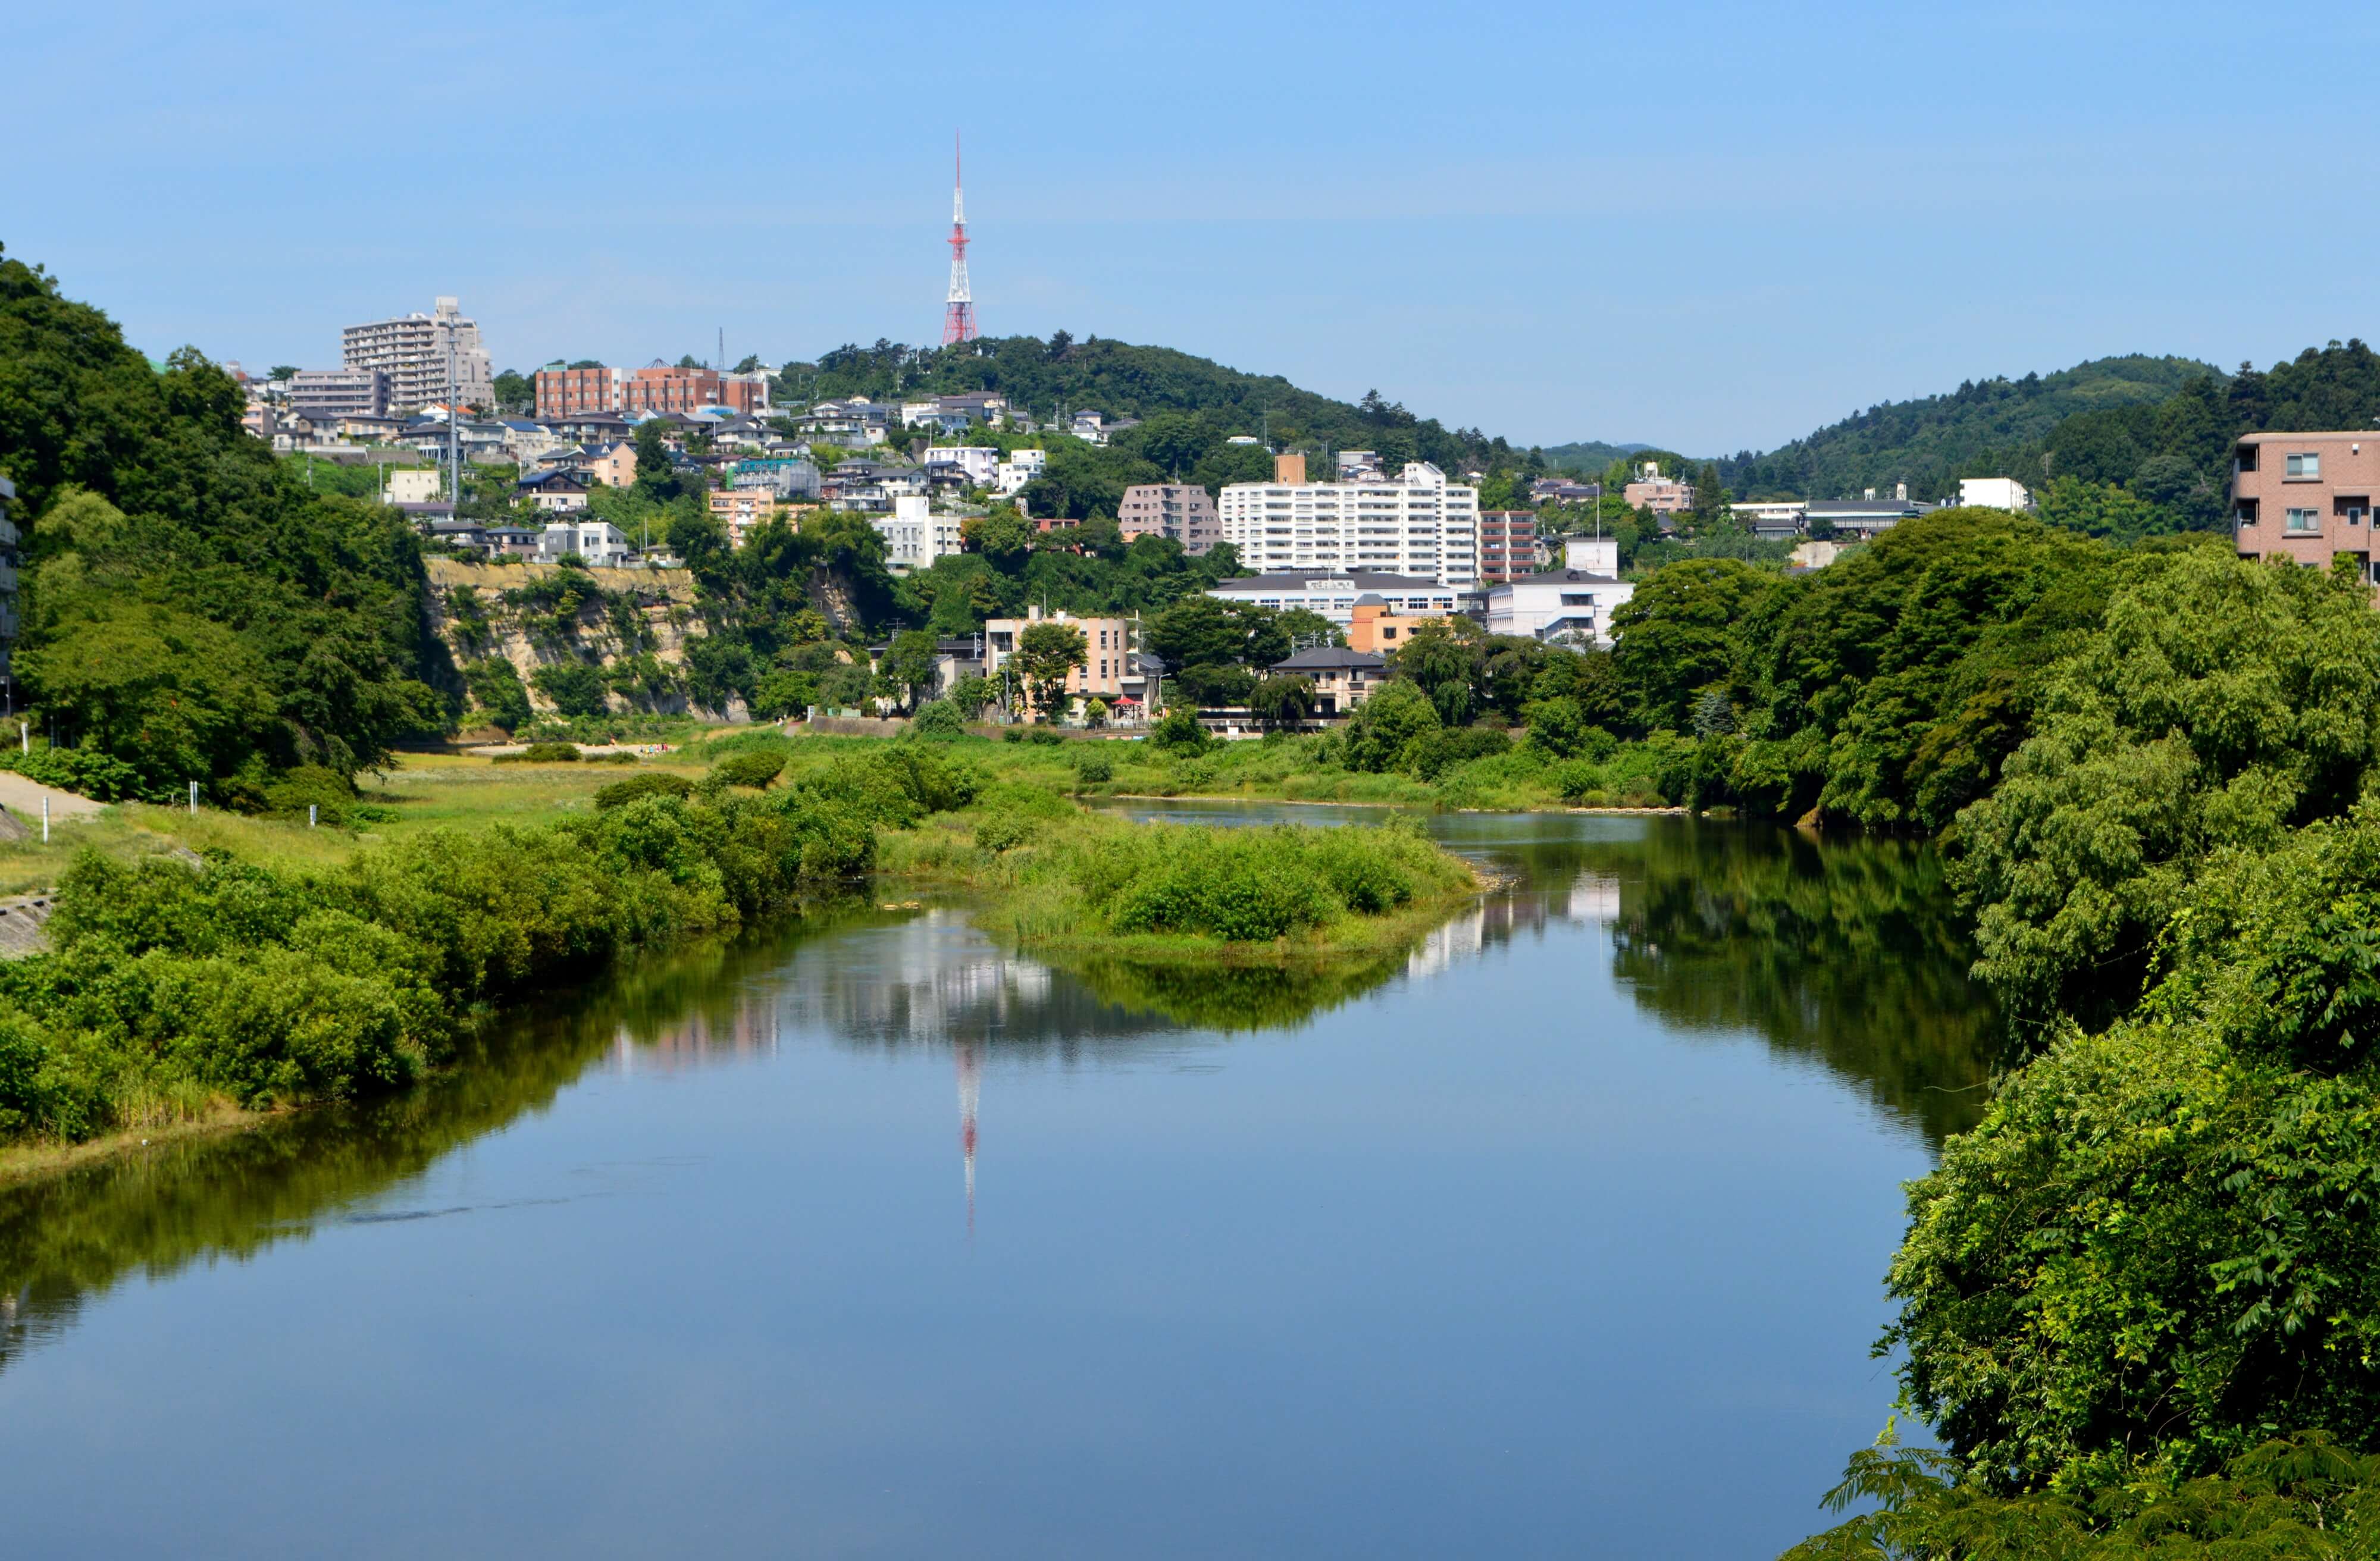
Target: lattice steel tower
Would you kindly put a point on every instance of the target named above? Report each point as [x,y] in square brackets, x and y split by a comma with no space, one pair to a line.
[958,315]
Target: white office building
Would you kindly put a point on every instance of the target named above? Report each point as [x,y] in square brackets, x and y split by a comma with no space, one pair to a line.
[915,536]
[414,350]
[1333,595]
[1572,605]
[1420,524]
[1995,493]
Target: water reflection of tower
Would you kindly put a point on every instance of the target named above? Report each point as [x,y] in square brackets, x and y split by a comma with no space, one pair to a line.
[970,1088]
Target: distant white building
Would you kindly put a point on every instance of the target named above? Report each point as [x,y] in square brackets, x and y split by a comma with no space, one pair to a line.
[979,463]
[1021,468]
[1993,493]
[915,536]
[1333,594]
[1573,604]
[598,542]
[1420,524]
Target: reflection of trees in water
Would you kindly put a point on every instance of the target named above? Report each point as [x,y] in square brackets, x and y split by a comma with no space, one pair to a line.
[1847,953]
[72,1236]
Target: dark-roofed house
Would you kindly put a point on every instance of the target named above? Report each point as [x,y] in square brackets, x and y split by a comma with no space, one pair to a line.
[552,491]
[1343,678]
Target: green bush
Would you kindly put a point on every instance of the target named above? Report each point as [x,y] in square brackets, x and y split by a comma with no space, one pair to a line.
[575,688]
[652,783]
[1386,727]
[1434,753]
[496,688]
[1094,769]
[939,718]
[1252,885]
[1048,736]
[756,769]
[86,773]
[542,752]
[1004,830]
[332,795]
[1013,734]
[274,988]
[1178,732]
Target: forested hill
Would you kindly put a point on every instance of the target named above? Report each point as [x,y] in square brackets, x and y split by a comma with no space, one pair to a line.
[1587,457]
[1930,443]
[1116,377]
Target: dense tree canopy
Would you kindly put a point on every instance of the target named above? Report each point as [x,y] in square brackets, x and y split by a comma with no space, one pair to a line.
[191,605]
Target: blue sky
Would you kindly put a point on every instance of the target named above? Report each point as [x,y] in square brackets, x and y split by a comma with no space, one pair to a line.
[1709,226]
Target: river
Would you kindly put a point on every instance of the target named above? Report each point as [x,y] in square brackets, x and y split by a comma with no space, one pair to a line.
[863,1237]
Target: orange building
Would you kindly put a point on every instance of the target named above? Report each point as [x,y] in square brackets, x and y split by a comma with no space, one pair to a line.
[1376,631]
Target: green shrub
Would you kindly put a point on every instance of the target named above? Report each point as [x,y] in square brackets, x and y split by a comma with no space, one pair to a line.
[575,688]
[1178,732]
[542,752]
[1004,830]
[652,783]
[1094,769]
[939,718]
[496,687]
[332,795]
[1013,734]
[755,769]
[86,773]
[1048,736]
[1432,754]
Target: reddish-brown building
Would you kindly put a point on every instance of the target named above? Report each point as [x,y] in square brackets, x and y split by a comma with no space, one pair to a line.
[566,392]
[2306,497]
[659,388]
[572,393]
[1508,545]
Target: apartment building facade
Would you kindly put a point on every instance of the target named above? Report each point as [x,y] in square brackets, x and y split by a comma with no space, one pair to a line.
[570,393]
[419,351]
[1508,545]
[1108,670]
[1420,524]
[661,388]
[322,394]
[1179,510]
[2306,497]
[1660,495]
[1334,595]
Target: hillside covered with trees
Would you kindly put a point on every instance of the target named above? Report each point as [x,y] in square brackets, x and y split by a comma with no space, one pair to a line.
[1041,379]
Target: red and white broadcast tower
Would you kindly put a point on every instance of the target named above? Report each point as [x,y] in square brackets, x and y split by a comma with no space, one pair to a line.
[958,315]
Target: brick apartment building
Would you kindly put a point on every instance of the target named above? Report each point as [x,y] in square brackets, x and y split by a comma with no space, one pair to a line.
[1182,510]
[1508,545]
[2306,497]
[565,392]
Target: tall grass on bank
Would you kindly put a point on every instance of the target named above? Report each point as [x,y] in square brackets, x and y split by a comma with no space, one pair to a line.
[173,989]
[1157,892]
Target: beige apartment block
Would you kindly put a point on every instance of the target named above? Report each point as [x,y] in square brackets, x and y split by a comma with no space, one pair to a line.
[2306,497]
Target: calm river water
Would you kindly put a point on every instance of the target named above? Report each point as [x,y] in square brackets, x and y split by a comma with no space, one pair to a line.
[865,1237]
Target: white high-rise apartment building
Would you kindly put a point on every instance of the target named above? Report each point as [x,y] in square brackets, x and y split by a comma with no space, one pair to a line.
[412,352]
[1419,525]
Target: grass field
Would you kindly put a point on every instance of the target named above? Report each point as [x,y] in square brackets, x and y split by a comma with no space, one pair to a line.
[420,791]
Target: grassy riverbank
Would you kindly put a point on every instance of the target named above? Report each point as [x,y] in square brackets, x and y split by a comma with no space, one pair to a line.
[284,965]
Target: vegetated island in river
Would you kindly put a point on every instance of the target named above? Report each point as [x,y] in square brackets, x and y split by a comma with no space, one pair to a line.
[183,994]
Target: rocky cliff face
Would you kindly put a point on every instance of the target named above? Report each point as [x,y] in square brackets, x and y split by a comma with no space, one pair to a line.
[631,625]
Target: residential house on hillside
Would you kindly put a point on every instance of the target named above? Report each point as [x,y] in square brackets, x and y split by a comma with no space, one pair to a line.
[853,424]
[1563,490]
[1649,489]
[1015,474]
[554,491]
[871,486]
[977,465]
[1342,679]
[598,542]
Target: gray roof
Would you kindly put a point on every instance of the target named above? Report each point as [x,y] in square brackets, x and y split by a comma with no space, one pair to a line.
[1330,659]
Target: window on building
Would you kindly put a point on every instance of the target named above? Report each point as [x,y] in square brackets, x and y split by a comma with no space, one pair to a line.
[2303,523]
[2352,508]
[2305,464]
